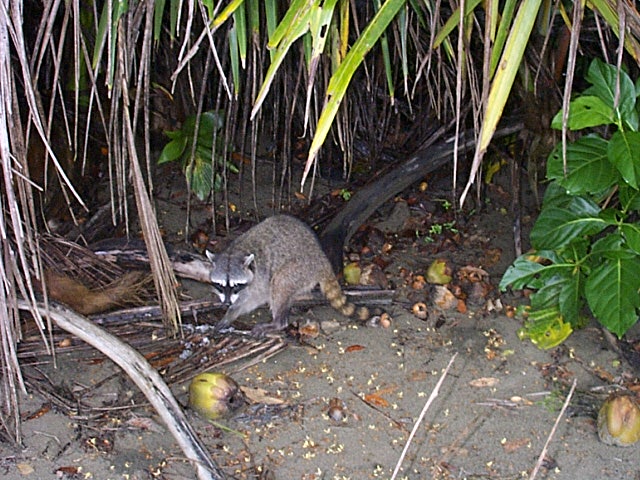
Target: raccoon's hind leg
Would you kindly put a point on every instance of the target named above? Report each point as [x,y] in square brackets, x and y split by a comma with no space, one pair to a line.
[280,322]
[280,307]
[286,284]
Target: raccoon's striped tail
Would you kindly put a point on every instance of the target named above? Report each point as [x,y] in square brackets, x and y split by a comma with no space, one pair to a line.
[332,291]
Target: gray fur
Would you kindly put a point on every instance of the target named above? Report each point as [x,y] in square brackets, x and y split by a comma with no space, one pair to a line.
[272,263]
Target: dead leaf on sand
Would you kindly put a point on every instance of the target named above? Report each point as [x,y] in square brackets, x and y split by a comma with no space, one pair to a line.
[484,382]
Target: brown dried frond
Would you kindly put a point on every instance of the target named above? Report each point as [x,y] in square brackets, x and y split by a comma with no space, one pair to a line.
[88,283]
[127,290]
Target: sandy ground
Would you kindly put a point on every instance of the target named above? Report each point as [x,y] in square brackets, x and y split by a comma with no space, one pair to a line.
[491,419]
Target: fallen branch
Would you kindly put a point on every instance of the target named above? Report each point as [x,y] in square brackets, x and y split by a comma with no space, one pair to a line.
[134,254]
[194,308]
[145,377]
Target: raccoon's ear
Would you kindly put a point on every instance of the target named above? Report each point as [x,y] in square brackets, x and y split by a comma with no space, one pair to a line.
[211,256]
[248,260]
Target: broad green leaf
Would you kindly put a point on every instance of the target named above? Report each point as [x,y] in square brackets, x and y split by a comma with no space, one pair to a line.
[629,198]
[533,270]
[558,226]
[588,166]
[612,247]
[556,333]
[546,328]
[631,233]
[174,134]
[612,293]
[205,133]
[199,175]
[585,112]
[576,251]
[556,196]
[173,150]
[603,76]
[611,216]
[216,117]
[210,121]
[571,297]
[624,153]
[520,273]
[203,151]
[189,125]
[547,296]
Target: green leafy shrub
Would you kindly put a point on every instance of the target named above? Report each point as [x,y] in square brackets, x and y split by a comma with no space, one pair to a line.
[586,240]
[197,160]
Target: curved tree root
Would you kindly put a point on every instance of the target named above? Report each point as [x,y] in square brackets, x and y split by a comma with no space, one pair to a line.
[366,201]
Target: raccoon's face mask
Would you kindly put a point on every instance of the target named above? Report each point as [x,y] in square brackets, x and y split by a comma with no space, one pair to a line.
[229,275]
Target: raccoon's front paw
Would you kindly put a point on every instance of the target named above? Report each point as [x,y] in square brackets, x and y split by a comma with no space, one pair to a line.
[221,326]
[264,329]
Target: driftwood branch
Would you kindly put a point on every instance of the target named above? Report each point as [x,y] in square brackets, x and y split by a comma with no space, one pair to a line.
[133,253]
[367,200]
[145,377]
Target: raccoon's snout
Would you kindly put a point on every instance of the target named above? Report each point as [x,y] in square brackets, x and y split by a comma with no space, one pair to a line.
[228,294]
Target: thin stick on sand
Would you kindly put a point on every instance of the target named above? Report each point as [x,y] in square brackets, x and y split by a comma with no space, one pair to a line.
[431,398]
[543,453]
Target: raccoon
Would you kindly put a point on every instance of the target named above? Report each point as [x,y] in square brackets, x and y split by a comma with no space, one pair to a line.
[274,262]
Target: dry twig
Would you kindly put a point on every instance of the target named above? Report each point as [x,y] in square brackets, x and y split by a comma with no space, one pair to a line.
[432,397]
[543,453]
